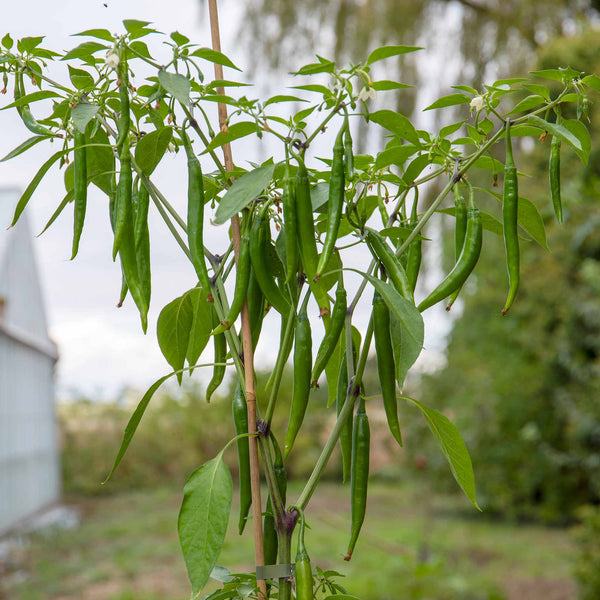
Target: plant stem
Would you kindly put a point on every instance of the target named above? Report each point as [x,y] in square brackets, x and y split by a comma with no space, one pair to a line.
[285,558]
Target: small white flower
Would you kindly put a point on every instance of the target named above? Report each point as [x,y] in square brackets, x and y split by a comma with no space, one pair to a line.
[171,147]
[477,103]
[367,93]
[112,59]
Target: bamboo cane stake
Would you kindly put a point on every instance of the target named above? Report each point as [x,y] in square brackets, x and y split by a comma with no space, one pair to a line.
[259,557]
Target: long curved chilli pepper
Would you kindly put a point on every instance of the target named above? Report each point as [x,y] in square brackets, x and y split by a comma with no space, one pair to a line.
[142,240]
[359,478]
[510,213]
[80,189]
[240,421]
[302,370]
[413,258]
[270,542]
[332,335]
[346,432]
[554,171]
[304,222]
[460,213]
[348,153]
[259,237]
[335,203]
[256,307]
[124,116]
[220,352]
[393,267]
[386,368]
[25,112]
[195,217]
[304,577]
[242,279]
[466,261]
[291,227]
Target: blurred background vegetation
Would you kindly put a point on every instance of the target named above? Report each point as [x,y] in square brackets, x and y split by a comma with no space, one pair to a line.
[524,390]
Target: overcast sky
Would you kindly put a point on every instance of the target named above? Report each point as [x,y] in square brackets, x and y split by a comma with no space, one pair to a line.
[102,348]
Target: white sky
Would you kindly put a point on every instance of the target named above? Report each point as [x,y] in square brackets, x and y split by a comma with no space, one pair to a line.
[102,348]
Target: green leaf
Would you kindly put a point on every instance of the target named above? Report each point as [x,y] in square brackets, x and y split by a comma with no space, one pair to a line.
[396,155]
[7,41]
[385,85]
[101,34]
[179,38]
[151,148]
[592,81]
[450,129]
[450,100]
[234,132]
[221,574]
[81,79]
[396,123]
[342,597]
[313,87]
[137,29]
[68,198]
[528,103]
[214,57]
[27,44]
[388,51]
[580,131]
[24,199]
[327,66]
[319,195]
[201,325]
[82,114]
[406,349]
[540,90]
[101,162]
[177,85]
[281,98]
[173,331]
[31,98]
[563,75]
[406,312]
[415,168]
[243,191]
[203,519]
[453,447]
[134,421]
[84,50]
[29,143]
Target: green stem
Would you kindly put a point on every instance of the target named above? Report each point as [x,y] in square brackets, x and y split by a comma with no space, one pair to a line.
[275,494]
[326,120]
[345,413]
[285,558]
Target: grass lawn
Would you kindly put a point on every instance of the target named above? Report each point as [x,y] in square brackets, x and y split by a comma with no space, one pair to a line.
[413,545]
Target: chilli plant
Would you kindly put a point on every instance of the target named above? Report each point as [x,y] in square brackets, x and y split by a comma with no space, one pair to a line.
[292,222]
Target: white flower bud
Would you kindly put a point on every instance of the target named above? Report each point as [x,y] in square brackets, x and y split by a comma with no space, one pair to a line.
[367,94]
[477,103]
[112,59]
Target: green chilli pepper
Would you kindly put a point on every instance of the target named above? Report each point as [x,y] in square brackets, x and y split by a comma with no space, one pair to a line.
[386,367]
[304,221]
[466,261]
[256,307]
[220,352]
[359,478]
[413,259]
[554,170]
[124,117]
[510,213]
[290,224]
[302,370]
[242,279]
[348,153]
[332,335]
[335,202]
[346,432]
[460,231]
[25,112]
[142,239]
[393,267]
[195,217]
[304,576]
[80,188]
[240,421]
[259,237]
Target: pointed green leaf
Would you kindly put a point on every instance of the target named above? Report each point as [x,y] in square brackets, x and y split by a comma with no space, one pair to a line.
[450,100]
[203,519]
[201,325]
[101,34]
[398,124]
[558,130]
[385,85]
[592,81]
[453,447]
[31,98]
[243,191]
[177,85]
[396,155]
[29,143]
[151,148]
[101,162]
[234,132]
[314,68]
[406,349]
[80,78]
[388,51]
[68,198]
[24,199]
[283,98]
[173,331]
[527,104]
[214,57]
[82,114]
[580,131]
[84,50]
